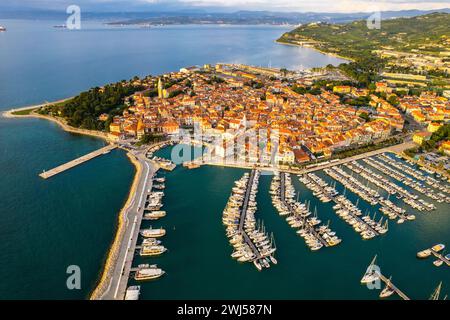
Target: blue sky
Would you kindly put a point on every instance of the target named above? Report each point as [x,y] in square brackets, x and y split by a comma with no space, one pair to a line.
[230,5]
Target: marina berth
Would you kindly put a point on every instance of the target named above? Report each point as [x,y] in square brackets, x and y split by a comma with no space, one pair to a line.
[247,235]
[299,216]
[419,187]
[366,226]
[388,208]
[391,188]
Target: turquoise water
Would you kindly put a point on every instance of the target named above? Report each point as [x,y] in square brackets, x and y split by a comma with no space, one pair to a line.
[198,263]
[70,219]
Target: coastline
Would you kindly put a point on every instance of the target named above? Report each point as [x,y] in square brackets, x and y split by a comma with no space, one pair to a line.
[316,49]
[108,266]
[62,123]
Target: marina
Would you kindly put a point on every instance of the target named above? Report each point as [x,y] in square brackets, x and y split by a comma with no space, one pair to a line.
[436,252]
[344,208]
[248,236]
[299,215]
[266,217]
[71,164]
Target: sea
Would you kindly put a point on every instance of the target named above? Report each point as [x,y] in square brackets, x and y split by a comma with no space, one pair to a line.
[48,228]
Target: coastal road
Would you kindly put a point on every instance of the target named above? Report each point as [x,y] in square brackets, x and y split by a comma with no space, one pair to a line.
[116,285]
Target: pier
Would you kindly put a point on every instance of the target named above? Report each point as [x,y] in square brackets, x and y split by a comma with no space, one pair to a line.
[244,213]
[76,162]
[288,205]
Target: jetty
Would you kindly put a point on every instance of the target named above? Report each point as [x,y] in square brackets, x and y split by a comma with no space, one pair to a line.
[292,210]
[71,164]
[244,213]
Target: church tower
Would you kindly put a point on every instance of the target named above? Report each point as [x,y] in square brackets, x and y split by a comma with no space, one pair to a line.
[160,89]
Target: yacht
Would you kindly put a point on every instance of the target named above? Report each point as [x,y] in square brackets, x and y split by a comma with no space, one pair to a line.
[150,242]
[2,29]
[154,215]
[148,272]
[153,233]
[152,250]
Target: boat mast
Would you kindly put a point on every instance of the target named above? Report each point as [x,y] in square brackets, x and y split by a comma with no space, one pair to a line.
[436,293]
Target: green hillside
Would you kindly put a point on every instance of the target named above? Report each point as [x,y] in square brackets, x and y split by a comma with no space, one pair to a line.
[428,34]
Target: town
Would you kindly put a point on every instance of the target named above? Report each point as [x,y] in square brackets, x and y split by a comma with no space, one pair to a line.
[308,122]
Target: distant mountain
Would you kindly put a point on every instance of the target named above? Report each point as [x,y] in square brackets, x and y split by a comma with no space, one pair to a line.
[355,40]
[201,16]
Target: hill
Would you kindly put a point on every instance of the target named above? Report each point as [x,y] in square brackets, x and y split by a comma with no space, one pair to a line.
[427,34]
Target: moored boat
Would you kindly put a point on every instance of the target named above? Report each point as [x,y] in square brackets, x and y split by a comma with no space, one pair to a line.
[153,233]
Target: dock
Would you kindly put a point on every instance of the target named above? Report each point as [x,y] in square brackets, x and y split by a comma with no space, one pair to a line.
[247,240]
[288,205]
[76,162]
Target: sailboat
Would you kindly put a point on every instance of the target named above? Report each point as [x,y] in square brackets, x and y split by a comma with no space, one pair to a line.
[436,293]
[370,275]
[272,242]
[385,227]
[387,291]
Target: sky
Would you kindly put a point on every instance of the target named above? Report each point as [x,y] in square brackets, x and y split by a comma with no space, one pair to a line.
[229,5]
